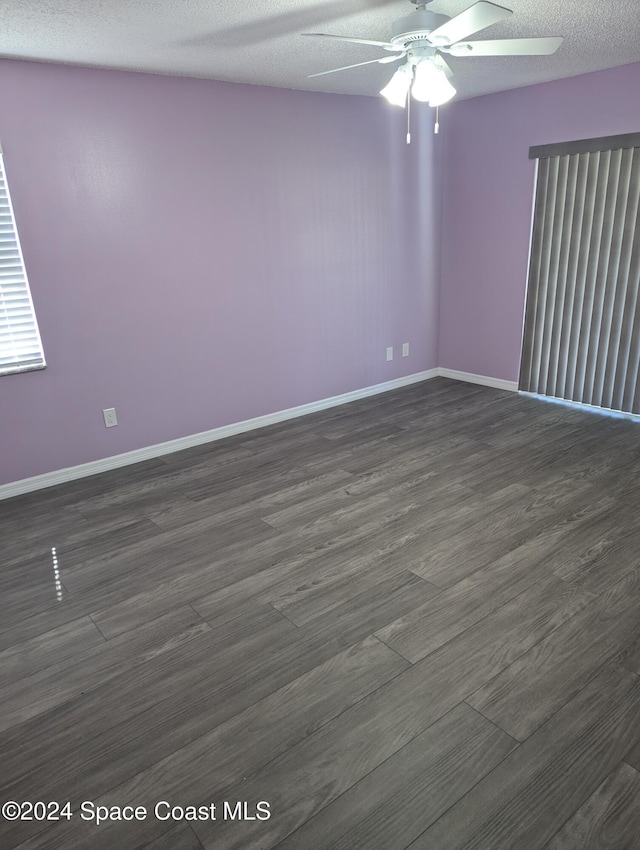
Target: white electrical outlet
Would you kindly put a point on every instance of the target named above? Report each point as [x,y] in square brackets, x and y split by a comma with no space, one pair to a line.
[405,349]
[390,353]
[110,418]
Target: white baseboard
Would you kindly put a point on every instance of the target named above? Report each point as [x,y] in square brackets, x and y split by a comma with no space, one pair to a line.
[60,476]
[470,378]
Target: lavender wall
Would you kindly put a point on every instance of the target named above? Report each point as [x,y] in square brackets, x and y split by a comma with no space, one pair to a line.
[488,193]
[201,253]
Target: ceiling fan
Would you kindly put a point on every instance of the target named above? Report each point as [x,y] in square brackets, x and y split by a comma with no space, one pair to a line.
[422,37]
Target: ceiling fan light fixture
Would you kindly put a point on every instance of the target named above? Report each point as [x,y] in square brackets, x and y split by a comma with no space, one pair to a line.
[443,93]
[397,88]
[431,84]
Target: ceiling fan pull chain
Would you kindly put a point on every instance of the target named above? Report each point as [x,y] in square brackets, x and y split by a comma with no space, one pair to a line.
[408,120]
[436,126]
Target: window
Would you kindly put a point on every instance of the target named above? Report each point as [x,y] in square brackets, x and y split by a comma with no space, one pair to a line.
[20,345]
[582,321]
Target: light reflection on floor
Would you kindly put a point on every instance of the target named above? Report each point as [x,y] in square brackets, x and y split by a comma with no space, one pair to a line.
[56,573]
[590,408]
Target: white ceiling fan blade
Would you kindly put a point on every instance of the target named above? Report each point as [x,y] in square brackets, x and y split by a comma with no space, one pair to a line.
[475,18]
[386,44]
[358,64]
[507,47]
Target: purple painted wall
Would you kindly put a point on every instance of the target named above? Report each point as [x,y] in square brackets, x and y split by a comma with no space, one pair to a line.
[200,253]
[488,192]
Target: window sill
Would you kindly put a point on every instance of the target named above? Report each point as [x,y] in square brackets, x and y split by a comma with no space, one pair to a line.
[19,369]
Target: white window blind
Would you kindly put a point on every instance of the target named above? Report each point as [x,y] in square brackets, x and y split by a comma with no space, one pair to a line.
[20,345]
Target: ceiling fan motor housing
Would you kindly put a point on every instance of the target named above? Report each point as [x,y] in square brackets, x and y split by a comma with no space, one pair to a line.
[416,26]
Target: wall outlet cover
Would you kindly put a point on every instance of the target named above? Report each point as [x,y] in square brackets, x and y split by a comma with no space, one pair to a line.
[110,418]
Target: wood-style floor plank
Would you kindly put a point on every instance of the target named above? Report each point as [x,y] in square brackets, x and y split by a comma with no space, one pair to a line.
[493,535]
[630,656]
[542,680]
[460,606]
[409,621]
[60,681]
[241,744]
[397,801]
[612,560]
[179,837]
[249,569]
[609,818]
[529,796]
[45,650]
[243,500]
[318,770]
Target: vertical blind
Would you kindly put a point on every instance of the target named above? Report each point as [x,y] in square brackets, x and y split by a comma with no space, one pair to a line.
[582,323]
[20,345]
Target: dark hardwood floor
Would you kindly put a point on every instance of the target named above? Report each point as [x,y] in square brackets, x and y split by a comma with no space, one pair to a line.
[408,622]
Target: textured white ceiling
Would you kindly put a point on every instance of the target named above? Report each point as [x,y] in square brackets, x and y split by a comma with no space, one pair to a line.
[260,42]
